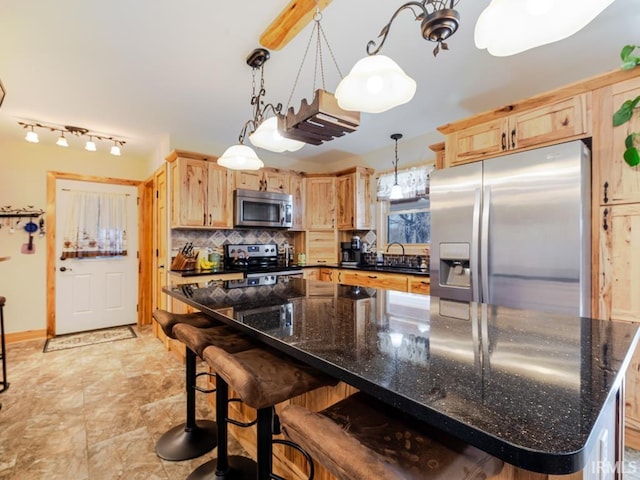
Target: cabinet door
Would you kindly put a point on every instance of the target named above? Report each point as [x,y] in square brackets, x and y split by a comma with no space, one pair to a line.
[322,247]
[476,142]
[326,274]
[551,123]
[345,196]
[248,180]
[296,189]
[619,263]
[320,204]
[362,200]
[190,192]
[274,180]
[619,183]
[219,197]
[419,285]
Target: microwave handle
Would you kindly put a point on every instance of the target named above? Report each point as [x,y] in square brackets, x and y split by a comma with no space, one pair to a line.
[283,214]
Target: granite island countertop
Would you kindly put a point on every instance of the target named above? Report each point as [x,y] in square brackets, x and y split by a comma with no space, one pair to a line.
[528,387]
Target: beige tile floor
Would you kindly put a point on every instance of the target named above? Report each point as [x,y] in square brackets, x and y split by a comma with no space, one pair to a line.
[93,412]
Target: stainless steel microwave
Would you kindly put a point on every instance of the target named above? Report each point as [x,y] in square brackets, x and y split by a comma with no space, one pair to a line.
[262,209]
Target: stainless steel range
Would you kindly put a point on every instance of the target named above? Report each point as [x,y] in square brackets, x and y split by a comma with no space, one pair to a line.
[256,260]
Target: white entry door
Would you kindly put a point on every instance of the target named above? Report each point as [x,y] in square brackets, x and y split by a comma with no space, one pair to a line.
[94,293]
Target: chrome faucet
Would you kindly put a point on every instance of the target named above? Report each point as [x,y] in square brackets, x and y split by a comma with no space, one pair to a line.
[401,246]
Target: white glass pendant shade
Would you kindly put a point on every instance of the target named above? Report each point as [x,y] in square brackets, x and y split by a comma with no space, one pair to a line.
[115,150]
[396,339]
[32,137]
[240,157]
[375,84]
[507,27]
[90,146]
[396,192]
[268,137]
[62,141]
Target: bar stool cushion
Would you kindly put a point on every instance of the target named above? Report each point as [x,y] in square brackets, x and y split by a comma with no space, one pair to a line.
[263,377]
[168,320]
[197,339]
[358,438]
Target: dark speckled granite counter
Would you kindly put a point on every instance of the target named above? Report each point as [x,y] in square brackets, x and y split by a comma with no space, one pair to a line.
[527,387]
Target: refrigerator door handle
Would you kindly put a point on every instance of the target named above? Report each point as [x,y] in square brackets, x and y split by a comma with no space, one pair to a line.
[475,244]
[484,244]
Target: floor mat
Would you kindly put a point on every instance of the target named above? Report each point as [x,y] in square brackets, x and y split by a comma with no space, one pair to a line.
[93,337]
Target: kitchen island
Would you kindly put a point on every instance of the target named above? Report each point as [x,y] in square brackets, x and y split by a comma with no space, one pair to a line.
[540,391]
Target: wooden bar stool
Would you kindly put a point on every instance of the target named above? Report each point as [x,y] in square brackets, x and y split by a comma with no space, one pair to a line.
[262,378]
[359,438]
[194,437]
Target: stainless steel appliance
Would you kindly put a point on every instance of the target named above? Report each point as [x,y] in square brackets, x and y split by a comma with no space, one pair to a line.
[257,260]
[262,209]
[351,255]
[515,230]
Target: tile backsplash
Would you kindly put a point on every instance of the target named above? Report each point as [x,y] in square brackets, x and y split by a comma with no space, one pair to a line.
[217,238]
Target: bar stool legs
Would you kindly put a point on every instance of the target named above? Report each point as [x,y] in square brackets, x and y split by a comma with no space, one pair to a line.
[3,353]
[193,438]
[224,467]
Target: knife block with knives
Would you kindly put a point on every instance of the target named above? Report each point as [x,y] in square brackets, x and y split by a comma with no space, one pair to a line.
[185,259]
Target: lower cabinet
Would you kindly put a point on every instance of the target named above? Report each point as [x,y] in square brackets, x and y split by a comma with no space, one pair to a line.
[322,247]
[618,287]
[364,278]
[419,284]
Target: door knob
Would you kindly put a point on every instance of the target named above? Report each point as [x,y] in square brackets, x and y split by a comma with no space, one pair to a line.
[64,269]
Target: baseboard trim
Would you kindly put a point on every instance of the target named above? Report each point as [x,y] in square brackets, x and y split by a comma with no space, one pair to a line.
[26,336]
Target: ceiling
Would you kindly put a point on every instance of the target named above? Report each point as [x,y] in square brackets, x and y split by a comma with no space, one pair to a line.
[153,71]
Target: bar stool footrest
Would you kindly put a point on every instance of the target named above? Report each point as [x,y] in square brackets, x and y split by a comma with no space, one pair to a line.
[180,443]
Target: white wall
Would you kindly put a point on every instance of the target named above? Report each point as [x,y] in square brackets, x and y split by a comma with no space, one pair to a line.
[24,168]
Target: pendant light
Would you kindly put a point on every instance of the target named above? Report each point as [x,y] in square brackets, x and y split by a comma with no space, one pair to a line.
[240,157]
[507,27]
[62,140]
[376,83]
[32,136]
[396,190]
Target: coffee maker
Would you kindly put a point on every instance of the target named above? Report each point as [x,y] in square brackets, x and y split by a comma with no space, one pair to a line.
[351,252]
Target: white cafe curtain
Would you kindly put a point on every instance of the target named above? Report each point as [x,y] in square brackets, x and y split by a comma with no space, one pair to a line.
[413,181]
[96,225]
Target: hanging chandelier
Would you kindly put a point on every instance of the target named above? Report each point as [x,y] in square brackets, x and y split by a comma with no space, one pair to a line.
[262,131]
[507,27]
[376,83]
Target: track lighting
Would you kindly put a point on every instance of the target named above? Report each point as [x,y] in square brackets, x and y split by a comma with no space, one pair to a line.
[62,141]
[32,136]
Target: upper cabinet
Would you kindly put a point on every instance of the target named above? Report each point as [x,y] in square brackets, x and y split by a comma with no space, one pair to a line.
[265,180]
[296,189]
[353,199]
[544,125]
[201,192]
[320,205]
[618,182]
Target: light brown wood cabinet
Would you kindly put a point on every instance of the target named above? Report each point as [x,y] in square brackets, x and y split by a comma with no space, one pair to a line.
[364,278]
[202,194]
[322,247]
[618,183]
[296,189]
[320,211]
[265,180]
[419,284]
[566,119]
[353,199]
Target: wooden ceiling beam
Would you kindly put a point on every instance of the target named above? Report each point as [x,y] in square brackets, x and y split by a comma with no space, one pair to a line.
[295,16]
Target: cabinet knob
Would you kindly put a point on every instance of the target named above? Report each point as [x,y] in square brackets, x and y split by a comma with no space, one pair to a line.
[605,225]
[606,188]
[504,141]
[513,138]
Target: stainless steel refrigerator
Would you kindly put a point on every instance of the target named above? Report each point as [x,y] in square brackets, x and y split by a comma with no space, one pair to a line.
[515,230]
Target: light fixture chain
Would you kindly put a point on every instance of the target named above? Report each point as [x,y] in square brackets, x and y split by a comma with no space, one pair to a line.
[333,57]
[318,60]
[295,83]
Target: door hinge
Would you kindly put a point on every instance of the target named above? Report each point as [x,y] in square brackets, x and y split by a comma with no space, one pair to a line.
[157,253]
[157,193]
[137,200]
[138,254]
[137,307]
